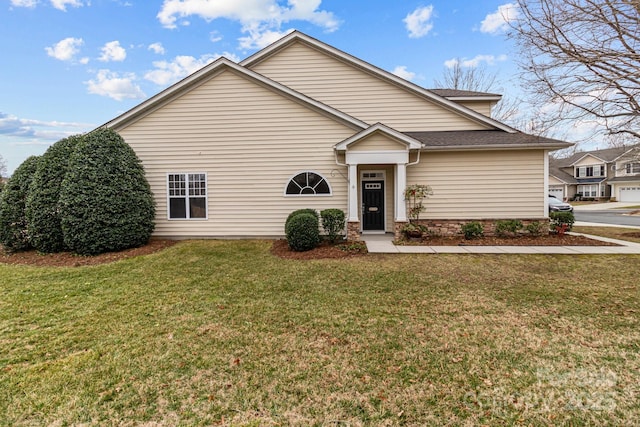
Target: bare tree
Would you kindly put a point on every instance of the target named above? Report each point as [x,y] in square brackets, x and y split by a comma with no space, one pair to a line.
[580,62]
[478,79]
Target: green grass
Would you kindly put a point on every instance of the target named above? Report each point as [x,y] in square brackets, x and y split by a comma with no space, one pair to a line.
[221,332]
[630,207]
[621,233]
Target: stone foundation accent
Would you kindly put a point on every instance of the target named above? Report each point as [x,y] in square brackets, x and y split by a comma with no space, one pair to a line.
[353,231]
[452,227]
[397,227]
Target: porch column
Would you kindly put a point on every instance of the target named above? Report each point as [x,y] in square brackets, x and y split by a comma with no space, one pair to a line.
[401,184]
[353,193]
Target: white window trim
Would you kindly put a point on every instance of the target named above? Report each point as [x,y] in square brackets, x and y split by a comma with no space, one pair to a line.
[307,195]
[206,196]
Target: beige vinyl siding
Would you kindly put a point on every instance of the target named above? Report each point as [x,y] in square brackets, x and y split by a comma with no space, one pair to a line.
[482,185]
[482,107]
[250,141]
[555,181]
[377,142]
[357,92]
[589,161]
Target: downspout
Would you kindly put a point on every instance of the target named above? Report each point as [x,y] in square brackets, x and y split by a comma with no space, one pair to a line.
[417,160]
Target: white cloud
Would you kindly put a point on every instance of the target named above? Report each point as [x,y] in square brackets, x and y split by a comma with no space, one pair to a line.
[112,51]
[475,61]
[499,20]
[419,22]
[65,49]
[168,72]
[215,36]
[261,19]
[58,4]
[62,4]
[401,71]
[157,48]
[113,85]
[24,3]
[257,39]
[14,126]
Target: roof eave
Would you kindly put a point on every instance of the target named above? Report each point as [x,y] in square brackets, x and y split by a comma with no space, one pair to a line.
[411,143]
[486,147]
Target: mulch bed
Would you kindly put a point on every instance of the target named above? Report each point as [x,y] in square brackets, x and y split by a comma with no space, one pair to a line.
[280,248]
[548,240]
[68,259]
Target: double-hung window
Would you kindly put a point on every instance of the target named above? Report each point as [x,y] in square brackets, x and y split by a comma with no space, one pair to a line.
[633,168]
[187,195]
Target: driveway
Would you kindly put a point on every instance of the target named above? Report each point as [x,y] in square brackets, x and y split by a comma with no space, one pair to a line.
[607,213]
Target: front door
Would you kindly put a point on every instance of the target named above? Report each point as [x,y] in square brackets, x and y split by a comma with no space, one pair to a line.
[373,205]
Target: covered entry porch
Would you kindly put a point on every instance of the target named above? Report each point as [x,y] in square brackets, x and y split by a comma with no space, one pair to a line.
[377,160]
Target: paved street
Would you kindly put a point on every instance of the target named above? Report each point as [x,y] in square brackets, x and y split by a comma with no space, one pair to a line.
[614,217]
[607,213]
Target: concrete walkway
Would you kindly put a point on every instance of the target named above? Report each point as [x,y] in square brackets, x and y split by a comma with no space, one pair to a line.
[383,244]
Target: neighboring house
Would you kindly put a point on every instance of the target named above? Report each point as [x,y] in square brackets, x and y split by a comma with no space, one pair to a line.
[612,173]
[232,149]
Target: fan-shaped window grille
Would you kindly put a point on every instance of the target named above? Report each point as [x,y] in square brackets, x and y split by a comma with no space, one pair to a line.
[308,184]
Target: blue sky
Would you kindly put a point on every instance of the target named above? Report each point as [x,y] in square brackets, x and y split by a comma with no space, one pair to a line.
[72,65]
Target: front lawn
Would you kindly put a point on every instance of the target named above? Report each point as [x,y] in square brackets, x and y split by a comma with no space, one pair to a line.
[620,233]
[223,332]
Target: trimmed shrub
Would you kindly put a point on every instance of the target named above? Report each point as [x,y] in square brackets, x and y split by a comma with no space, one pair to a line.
[302,232]
[508,227]
[561,222]
[13,220]
[105,200]
[333,221]
[535,228]
[472,230]
[42,210]
[300,211]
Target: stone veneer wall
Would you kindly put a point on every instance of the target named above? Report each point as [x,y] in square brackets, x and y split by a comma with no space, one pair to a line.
[451,227]
[353,231]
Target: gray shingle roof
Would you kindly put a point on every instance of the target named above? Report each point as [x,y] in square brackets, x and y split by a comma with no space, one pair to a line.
[607,154]
[554,170]
[484,138]
[455,93]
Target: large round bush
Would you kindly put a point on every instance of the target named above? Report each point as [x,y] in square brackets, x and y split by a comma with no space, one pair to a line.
[105,200]
[302,232]
[43,215]
[298,212]
[13,219]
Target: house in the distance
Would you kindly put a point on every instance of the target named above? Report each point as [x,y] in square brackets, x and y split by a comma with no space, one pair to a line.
[232,149]
[612,173]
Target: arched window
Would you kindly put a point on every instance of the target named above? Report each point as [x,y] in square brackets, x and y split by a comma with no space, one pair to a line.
[308,184]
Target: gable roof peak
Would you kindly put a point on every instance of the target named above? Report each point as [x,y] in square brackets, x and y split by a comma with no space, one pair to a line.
[209,71]
[297,36]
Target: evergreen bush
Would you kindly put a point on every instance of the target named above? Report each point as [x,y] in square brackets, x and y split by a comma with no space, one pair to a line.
[561,221]
[302,232]
[333,221]
[105,201]
[508,227]
[42,211]
[13,220]
[301,211]
[472,230]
